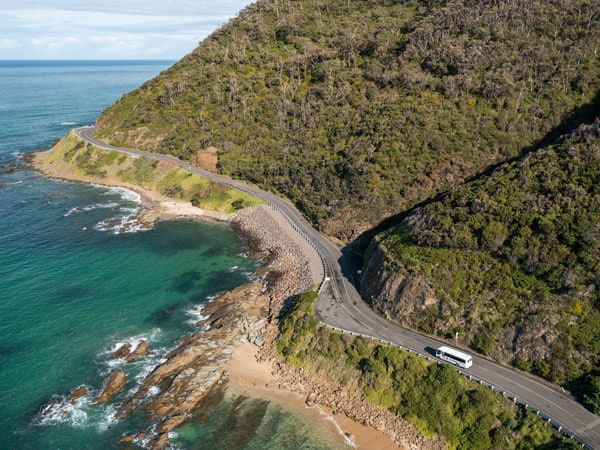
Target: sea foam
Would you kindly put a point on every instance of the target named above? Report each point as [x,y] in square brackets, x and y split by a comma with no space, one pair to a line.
[195,312]
[128,223]
[126,194]
[83,412]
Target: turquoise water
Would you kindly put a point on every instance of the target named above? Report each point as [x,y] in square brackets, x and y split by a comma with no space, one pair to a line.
[72,288]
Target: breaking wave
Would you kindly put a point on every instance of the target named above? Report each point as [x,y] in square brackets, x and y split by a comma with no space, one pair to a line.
[82,412]
[129,223]
[126,194]
[86,208]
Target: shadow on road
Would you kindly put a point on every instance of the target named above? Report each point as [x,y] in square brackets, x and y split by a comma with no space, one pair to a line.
[430,350]
[350,262]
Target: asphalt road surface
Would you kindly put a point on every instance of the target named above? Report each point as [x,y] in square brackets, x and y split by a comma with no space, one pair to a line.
[341,306]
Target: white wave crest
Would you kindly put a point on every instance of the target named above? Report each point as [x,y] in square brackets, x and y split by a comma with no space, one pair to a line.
[79,209]
[133,341]
[153,391]
[79,413]
[126,194]
[63,410]
[195,313]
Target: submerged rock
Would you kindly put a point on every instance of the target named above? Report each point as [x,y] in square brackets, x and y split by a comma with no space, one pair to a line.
[170,423]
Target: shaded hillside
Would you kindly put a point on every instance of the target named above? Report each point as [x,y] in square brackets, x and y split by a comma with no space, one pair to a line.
[510,262]
[358,110]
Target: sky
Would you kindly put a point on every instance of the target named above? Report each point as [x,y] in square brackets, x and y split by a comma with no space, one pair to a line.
[109,29]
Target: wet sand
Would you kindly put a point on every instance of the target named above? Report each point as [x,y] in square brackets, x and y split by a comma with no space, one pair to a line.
[253,378]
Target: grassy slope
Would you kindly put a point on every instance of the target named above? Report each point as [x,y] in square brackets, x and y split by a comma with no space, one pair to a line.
[73,158]
[357,110]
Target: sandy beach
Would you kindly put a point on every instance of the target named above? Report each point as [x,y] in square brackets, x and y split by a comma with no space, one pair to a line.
[248,376]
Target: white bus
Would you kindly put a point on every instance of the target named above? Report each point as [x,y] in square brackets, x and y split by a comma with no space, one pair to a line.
[454,356]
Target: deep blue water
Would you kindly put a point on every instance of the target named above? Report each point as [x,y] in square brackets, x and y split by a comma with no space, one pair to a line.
[71,291]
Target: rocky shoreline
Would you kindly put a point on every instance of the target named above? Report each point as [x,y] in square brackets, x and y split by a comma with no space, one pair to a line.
[287,264]
[249,313]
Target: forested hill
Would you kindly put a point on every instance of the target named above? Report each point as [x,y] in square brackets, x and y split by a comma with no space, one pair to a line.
[510,262]
[357,110]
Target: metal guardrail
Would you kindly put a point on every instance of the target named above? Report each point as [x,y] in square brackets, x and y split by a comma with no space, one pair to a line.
[307,239]
[553,422]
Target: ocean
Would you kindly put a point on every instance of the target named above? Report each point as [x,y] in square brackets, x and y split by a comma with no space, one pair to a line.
[73,288]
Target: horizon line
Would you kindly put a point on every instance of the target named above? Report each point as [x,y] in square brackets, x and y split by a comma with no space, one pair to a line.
[88,59]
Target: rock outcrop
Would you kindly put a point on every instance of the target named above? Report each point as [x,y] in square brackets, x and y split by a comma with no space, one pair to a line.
[140,350]
[112,385]
[196,366]
[78,393]
[128,353]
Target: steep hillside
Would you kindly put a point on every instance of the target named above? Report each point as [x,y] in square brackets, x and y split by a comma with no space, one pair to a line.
[358,110]
[510,262]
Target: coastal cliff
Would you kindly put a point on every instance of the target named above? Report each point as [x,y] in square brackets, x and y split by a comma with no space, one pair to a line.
[506,265]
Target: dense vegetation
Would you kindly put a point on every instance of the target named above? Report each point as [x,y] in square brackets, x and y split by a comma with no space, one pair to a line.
[513,261]
[357,110]
[435,398]
[79,158]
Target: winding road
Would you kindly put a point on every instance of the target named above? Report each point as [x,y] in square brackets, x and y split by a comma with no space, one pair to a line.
[340,306]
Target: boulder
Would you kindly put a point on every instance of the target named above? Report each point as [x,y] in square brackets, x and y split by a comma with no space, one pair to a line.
[81,391]
[140,350]
[122,351]
[113,384]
